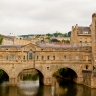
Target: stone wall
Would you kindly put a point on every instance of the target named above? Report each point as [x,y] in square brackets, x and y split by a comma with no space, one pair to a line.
[87,77]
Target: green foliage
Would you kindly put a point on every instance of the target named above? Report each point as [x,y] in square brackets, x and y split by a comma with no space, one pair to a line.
[49,35]
[62,72]
[31,77]
[55,34]
[48,38]
[60,34]
[37,36]
[1,39]
[1,72]
[55,40]
[67,41]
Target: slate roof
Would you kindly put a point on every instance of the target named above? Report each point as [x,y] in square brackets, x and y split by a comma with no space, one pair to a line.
[84,29]
[52,45]
[8,46]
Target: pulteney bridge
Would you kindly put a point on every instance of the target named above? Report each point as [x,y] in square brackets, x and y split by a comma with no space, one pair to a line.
[46,59]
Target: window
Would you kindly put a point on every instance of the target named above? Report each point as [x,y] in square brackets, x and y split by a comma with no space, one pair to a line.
[76,57]
[30,55]
[12,57]
[86,66]
[6,57]
[90,40]
[42,58]
[53,57]
[23,57]
[86,57]
[85,32]
[18,57]
[65,57]
[47,68]
[85,40]
[37,58]
[47,57]
[80,40]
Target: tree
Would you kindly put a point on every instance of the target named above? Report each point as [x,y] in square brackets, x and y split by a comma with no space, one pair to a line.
[55,40]
[63,72]
[67,41]
[1,39]
[55,34]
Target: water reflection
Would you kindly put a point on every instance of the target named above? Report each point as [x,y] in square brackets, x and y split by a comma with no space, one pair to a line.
[28,88]
[32,88]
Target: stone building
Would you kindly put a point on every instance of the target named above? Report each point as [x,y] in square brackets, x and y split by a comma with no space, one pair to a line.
[81,36]
[8,40]
[15,40]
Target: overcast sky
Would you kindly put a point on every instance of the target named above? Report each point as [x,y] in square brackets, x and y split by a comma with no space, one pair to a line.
[44,16]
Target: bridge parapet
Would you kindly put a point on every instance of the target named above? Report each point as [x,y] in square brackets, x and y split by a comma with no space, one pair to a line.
[62,62]
[16,61]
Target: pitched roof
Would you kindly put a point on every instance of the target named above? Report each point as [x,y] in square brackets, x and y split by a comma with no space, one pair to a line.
[84,30]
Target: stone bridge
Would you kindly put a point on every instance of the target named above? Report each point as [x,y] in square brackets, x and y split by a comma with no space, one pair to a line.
[47,70]
[46,60]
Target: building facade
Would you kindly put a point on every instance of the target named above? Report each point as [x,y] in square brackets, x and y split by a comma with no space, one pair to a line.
[81,36]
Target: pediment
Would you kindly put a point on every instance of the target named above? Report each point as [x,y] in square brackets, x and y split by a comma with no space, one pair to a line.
[30,46]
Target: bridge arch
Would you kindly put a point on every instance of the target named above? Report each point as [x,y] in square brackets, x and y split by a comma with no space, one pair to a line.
[72,71]
[5,71]
[41,75]
[4,76]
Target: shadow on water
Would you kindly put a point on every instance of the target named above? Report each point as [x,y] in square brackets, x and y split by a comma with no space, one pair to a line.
[66,88]
[32,88]
[3,76]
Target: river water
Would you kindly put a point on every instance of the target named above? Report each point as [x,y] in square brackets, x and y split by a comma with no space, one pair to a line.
[32,88]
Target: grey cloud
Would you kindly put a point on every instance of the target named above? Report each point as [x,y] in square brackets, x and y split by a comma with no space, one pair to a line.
[44,16]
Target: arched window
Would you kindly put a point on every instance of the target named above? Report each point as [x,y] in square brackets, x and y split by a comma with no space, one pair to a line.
[30,55]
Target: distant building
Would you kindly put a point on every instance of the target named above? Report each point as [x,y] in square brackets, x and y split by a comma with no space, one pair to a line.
[81,36]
